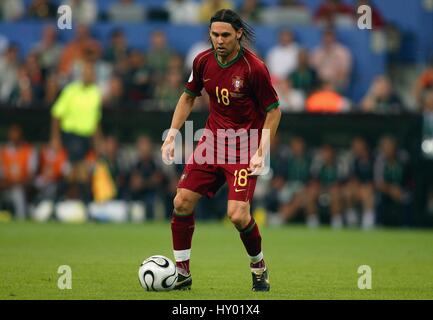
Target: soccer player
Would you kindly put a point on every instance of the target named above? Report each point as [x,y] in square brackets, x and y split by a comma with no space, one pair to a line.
[241,98]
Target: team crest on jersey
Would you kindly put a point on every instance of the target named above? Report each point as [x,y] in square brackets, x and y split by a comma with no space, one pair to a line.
[238,83]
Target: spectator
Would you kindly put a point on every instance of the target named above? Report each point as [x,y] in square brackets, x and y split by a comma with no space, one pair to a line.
[194,50]
[8,72]
[92,54]
[53,167]
[145,178]
[274,182]
[48,48]
[175,63]
[75,50]
[122,66]
[12,10]
[42,9]
[4,44]
[115,186]
[182,11]
[297,175]
[18,164]
[126,11]
[84,11]
[427,114]
[381,97]
[331,12]
[75,120]
[118,48]
[290,99]
[332,61]
[289,12]
[423,83]
[159,54]
[168,91]
[250,11]
[52,89]
[138,78]
[304,77]
[290,3]
[327,178]
[427,105]
[36,76]
[326,99]
[115,96]
[390,176]
[282,59]
[22,94]
[359,188]
[209,7]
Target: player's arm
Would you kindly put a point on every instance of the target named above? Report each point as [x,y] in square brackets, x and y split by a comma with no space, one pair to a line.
[181,113]
[272,121]
[266,94]
[270,127]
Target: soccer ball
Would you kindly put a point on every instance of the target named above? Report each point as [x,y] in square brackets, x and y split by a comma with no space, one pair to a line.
[157,273]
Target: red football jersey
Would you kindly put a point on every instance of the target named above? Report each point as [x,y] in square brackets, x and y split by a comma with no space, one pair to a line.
[240,91]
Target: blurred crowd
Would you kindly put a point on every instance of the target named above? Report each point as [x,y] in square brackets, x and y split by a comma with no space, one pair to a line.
[306,80]
[361,185]
[112,182]
[86,175]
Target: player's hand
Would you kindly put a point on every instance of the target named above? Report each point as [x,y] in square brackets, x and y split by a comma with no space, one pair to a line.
[256,164]
[167,150]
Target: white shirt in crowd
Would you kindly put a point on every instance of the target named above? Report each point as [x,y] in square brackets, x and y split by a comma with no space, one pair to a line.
[83,12]
[291,101]
[183,11]
[282,60]
[194,51]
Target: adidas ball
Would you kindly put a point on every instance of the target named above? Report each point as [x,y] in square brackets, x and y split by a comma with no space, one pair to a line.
[157,273]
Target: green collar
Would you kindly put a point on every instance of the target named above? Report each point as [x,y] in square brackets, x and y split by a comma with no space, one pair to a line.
[228,64]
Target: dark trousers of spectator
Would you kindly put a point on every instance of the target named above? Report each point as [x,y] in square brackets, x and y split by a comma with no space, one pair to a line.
[76,146]
[393,213]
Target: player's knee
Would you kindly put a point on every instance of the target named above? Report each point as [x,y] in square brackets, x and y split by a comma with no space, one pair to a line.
[238,215]
[182,204]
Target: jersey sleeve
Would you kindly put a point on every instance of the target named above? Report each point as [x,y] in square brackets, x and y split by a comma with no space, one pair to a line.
[195,82]
[262,87]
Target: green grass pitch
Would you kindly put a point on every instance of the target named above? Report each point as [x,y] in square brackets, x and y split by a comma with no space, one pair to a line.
[303,263]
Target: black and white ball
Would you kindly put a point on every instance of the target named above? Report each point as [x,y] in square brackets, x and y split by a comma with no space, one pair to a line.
[157,273]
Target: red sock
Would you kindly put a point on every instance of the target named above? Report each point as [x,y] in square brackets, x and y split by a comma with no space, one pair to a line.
[258,265]
[182,229]
[251,238]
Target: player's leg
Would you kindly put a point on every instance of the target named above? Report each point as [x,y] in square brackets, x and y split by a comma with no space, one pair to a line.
[239,214]
[241,188]
[182,229]
[196,181]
